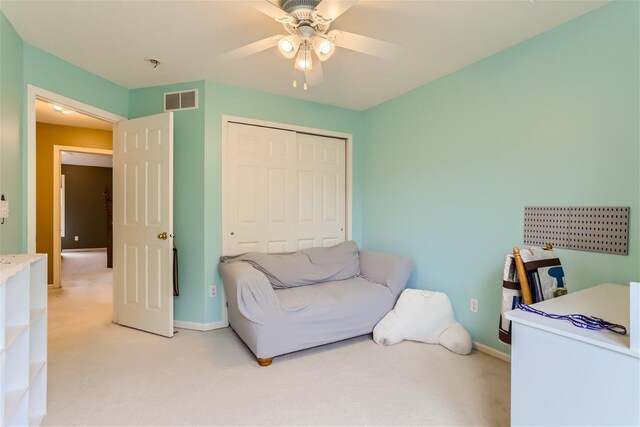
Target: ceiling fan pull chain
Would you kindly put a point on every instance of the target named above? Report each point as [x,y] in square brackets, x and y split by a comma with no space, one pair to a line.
[306,64]
[295,82]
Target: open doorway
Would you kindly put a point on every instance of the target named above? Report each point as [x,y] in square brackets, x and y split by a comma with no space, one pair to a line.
[83,178]
[73,198]
[86,219]
[61,129]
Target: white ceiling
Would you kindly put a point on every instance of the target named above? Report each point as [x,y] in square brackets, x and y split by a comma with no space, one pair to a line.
[46,114]
[112,38]
[86,159]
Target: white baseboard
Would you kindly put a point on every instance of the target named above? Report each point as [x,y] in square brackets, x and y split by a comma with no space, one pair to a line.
[492,352]
[85,250]
[195,326]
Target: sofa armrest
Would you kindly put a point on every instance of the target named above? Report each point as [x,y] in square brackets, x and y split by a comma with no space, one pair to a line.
[250,290]
[393,271]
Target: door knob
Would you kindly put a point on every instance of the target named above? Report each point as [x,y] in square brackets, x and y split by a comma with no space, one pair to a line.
[162,236]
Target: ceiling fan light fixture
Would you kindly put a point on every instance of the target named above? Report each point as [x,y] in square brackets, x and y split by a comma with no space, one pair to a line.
[288,46]
[323,47]
[304,61]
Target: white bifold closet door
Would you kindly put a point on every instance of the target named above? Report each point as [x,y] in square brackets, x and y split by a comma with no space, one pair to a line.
[284,190]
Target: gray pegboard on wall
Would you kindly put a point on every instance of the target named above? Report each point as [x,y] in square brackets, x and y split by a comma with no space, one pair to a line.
[585,228]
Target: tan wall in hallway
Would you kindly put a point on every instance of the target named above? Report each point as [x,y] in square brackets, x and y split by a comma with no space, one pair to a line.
[47,136]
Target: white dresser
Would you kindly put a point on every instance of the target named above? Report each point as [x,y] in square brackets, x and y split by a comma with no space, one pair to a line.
[23,339]
[565,375]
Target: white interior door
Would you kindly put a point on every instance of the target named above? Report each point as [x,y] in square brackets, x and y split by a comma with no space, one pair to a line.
[143,223]
[284,190]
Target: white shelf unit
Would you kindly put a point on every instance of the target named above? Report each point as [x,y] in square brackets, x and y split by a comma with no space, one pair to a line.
[23,339]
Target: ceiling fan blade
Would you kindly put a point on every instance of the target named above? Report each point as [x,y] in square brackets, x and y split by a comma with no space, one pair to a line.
[331,9]
[270,9]
[315,75]
[368,45]
[250,49]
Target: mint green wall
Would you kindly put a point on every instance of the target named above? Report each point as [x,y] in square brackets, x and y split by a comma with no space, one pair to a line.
[449,167]
[11,49]
[49,72]
[188,192]
[235,101]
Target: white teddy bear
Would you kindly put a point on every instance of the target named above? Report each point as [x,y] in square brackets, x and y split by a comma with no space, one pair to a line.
[423,316]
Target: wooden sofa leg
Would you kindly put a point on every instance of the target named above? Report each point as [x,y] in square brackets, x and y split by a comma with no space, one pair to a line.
[265,362]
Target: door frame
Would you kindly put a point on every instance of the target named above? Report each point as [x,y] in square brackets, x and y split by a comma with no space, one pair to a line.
[57,168]
[226,119]
[33,93]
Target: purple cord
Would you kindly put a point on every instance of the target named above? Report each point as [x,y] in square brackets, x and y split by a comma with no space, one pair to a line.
[579,320]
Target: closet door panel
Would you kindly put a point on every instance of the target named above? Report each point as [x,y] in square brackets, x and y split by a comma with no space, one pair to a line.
[324,200]
[259,198]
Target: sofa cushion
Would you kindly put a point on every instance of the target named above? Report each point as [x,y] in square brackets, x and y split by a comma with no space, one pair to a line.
[338,305]
[305,267]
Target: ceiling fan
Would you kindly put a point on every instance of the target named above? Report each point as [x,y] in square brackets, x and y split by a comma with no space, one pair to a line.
[307,23]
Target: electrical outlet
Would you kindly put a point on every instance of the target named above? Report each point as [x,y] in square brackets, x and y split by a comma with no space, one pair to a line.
[213,291]
[75,238]
[474,305]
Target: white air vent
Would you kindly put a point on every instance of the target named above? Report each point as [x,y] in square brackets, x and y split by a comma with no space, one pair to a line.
[185,100]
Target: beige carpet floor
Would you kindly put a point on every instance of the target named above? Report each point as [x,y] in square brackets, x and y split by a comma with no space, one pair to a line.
[104,374]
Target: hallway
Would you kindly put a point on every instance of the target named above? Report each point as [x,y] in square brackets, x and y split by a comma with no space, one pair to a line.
[84,302]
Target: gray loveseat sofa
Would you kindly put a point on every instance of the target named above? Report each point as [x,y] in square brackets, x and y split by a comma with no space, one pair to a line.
[281,303]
